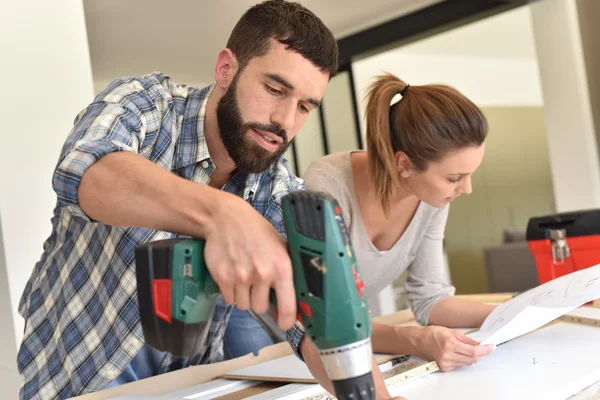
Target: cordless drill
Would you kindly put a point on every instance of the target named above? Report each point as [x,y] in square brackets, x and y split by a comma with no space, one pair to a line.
[177,294]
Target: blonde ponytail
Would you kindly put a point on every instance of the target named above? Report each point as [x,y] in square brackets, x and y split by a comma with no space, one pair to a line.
[382,166]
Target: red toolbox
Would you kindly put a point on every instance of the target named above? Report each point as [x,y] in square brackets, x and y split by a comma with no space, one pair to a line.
[564,243]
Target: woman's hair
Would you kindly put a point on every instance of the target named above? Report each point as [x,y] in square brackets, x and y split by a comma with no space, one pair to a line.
[427,123]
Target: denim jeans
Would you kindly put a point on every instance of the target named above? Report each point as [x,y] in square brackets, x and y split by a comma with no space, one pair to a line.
[145,364]
[244,334]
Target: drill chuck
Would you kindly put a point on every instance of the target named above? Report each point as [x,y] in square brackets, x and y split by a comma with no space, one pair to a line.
[349,367]
[359,388]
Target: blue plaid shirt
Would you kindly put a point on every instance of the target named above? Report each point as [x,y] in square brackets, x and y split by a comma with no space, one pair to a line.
[82,325]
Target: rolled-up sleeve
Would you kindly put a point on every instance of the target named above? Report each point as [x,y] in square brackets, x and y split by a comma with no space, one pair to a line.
[294,337]
[101,128]
[426,283]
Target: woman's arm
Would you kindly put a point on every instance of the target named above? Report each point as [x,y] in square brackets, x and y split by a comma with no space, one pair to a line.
[450,349]
[432,302]
[393,339]
[453,312]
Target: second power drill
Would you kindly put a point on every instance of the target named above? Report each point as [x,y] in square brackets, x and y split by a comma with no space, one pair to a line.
[177,294]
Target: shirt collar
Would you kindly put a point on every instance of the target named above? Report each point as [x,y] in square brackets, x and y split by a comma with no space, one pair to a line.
[191,145]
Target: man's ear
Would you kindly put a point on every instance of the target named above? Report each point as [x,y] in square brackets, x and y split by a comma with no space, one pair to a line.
[226,68]
[403,164]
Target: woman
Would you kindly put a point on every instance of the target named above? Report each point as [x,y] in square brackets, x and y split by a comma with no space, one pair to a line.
[421,154]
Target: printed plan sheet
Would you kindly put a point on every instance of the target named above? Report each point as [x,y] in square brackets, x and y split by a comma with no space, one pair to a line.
[539,306]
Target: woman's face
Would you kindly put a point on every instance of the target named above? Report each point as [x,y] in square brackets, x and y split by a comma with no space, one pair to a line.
[444,180]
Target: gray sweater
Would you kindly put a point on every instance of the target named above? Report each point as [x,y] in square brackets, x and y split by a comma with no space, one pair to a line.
[419,249]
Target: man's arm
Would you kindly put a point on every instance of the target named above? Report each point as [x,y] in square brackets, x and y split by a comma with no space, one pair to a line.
[124,189]
[102,175]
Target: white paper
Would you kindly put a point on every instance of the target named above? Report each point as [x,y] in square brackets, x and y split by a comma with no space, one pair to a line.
[538,306]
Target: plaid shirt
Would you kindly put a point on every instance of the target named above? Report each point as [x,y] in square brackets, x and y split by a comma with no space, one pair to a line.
[82,324]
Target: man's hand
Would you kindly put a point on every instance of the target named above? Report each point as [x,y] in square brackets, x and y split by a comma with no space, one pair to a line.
[247,257]
[315,365]
[244,253]
[450,349]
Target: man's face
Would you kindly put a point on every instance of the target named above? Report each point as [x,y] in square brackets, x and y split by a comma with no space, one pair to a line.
[265,106]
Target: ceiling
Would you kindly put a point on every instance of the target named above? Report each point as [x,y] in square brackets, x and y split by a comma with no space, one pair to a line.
[183,37]
[508,35]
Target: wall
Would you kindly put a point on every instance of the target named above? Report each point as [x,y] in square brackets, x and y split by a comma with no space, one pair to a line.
[46,82]
[338,110]
[588,12]
[9,376]
[570,130]
[513,184]
[486,81]
[338,114]
[309,143]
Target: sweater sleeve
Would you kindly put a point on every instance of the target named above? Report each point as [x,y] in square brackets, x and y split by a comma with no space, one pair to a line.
[426,284]
[325,178]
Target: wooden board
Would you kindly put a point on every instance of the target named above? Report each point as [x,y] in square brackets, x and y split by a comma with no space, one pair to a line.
[290,369]
[188,377]
[415,369]
[555,362]
[249,392]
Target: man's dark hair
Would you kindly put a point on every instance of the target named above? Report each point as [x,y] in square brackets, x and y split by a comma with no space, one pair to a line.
[291,24]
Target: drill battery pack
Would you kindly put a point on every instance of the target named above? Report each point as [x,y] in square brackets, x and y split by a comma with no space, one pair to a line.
[163,328]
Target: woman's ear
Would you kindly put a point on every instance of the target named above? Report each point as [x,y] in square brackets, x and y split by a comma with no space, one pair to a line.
[403,164]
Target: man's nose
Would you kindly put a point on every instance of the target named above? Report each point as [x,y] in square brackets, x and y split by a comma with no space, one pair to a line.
[285,115]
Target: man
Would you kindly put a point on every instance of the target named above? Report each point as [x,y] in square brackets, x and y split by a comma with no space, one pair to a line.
[150,160]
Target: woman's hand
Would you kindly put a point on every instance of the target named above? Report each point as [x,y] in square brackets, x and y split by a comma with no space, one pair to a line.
[449,348]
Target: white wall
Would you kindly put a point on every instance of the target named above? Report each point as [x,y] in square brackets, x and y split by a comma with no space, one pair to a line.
[338,111]
[486,81]
[526,57]
[492,61]
[309,143]
[569,122]
[46,81]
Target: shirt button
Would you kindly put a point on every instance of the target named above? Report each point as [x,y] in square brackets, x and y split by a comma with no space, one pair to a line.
[111,374]
[135,342]
[205,164]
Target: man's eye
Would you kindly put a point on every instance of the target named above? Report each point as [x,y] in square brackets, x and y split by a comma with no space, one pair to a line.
[303,109]
[272,90]
[454,180]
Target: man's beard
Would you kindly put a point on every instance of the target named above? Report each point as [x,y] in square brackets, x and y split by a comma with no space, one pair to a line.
[247,155]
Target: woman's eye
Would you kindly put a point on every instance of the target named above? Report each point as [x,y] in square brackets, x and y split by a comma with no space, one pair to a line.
[454,180]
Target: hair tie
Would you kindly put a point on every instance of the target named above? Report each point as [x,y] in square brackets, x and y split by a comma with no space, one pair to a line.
[403,92]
